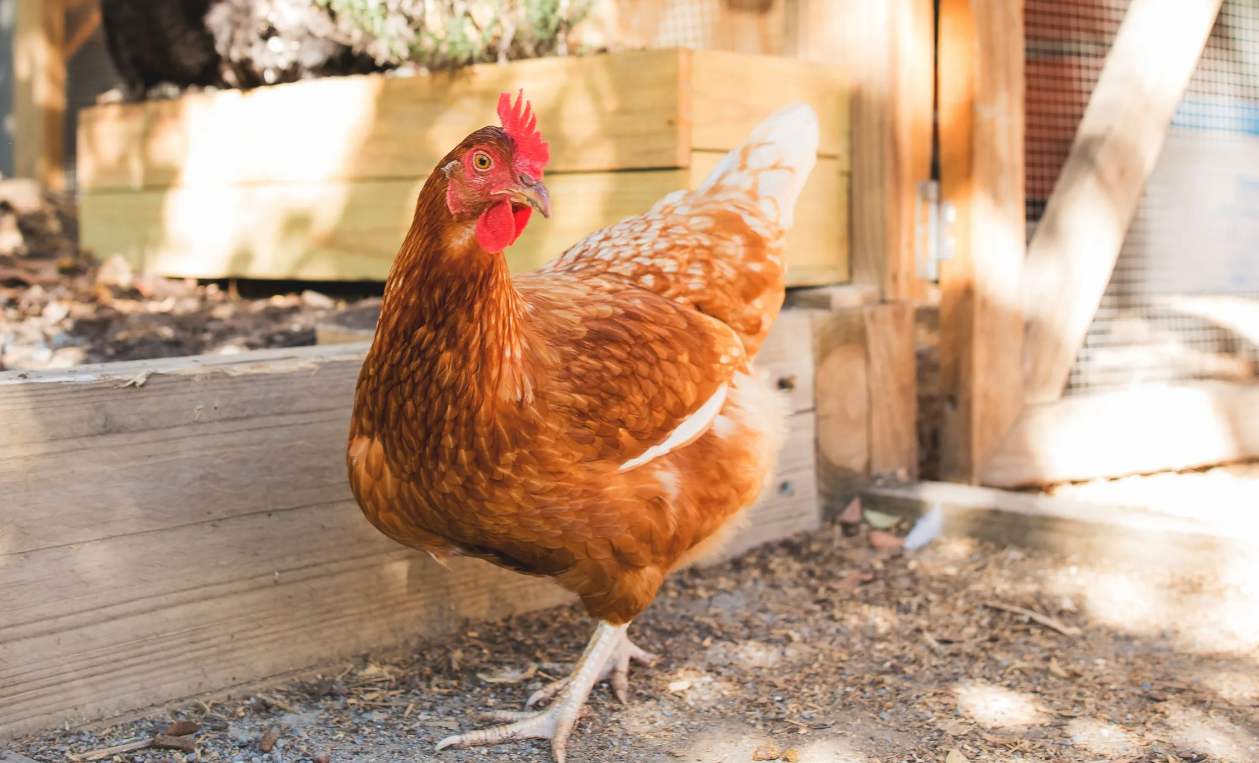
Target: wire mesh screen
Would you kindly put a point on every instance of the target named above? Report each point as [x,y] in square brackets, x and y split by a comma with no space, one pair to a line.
[1183,301]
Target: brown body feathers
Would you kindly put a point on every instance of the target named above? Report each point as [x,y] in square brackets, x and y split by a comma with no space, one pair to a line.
[596,420]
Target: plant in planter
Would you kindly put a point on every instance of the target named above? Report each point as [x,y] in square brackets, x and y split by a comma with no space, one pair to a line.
[168,46]
[446,34]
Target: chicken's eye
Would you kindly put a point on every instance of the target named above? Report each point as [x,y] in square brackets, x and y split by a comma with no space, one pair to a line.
[481,161]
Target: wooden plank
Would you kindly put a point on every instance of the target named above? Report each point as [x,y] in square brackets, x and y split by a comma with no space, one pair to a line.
[732,93]
[750,26]
[910,124]
[352,230]
[1071,528]
[598,113]
[887,49]
[608,112]
[1137,431]
[173,481]
[39,91]
[837,297]
[893,383]
[981,168]
[1073,252]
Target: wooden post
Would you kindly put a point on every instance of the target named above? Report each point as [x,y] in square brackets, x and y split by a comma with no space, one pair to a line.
[887,47]
[981,161]
[1071,257]
[39,91]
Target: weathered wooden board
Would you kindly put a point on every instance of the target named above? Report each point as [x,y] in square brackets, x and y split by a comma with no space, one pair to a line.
[887,47]
[981,172]
[351,230]
[1136,431]
[637,110]
[893,389]
[38,80]
[183,525]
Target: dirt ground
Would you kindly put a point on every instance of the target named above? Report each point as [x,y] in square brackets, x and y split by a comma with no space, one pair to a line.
[820,645]
[59,307]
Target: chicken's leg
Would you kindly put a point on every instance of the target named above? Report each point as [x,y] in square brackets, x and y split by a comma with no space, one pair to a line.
[556,722]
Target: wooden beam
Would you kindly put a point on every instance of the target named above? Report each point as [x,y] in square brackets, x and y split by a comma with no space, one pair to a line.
[350,230]
[1138,431]
[887,47]
[1073,252]
[981,166]
[642,110]
[81,33]
[198,497]
[867,404]
[39,91]
[893,385]
[1060,525]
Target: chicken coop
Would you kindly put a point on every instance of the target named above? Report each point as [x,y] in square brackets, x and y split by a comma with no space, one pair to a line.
[1049,205]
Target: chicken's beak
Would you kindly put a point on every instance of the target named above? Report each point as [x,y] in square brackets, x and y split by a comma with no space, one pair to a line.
[533,193]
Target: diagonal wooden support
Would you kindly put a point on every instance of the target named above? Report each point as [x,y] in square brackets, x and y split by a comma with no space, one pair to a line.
[1071,256]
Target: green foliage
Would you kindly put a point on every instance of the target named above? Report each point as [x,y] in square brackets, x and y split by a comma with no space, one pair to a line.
[447,34]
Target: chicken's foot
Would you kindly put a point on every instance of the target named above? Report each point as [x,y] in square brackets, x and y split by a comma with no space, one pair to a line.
[557,721]
[616,668]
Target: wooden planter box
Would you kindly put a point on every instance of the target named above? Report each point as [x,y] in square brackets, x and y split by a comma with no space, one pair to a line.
[185,525]
[317,180]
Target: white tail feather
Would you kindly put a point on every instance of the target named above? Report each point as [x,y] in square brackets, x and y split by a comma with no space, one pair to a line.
[773,163]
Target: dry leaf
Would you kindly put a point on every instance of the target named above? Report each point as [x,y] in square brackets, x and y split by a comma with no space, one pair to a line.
[879,520]
[956,727]
[851,580]
[1057,669]
[883,540]
[766,751]
[792,755]
[182,728]
[956,756]
[852,512]
[1004,741]
[510,676]
[183,744]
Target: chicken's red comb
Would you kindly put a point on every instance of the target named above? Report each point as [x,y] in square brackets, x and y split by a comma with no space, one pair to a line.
[532,153]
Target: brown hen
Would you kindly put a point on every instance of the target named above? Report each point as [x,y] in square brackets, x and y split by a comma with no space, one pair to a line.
[598,420]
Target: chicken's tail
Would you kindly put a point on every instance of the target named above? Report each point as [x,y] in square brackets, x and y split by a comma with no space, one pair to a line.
[772,165]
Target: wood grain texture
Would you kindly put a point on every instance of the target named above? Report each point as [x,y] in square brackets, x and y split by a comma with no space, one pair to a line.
[981,173]
[893,384]
[39,90]
[1090,531]
[732,93]
[637,110]
[843,406]
[352,230]
[887,49]
[598,113]
[1137,431]
[206,535]
[1071,256]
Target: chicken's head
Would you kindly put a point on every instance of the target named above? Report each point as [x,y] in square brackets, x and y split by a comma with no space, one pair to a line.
[497,176]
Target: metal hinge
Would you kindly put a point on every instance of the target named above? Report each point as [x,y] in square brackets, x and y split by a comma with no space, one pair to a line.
[933,230]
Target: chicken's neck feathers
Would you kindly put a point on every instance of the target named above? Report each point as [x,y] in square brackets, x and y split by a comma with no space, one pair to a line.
[448,301]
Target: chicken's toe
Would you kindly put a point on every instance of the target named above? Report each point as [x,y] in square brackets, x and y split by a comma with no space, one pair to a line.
[616,669]
[557,721]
